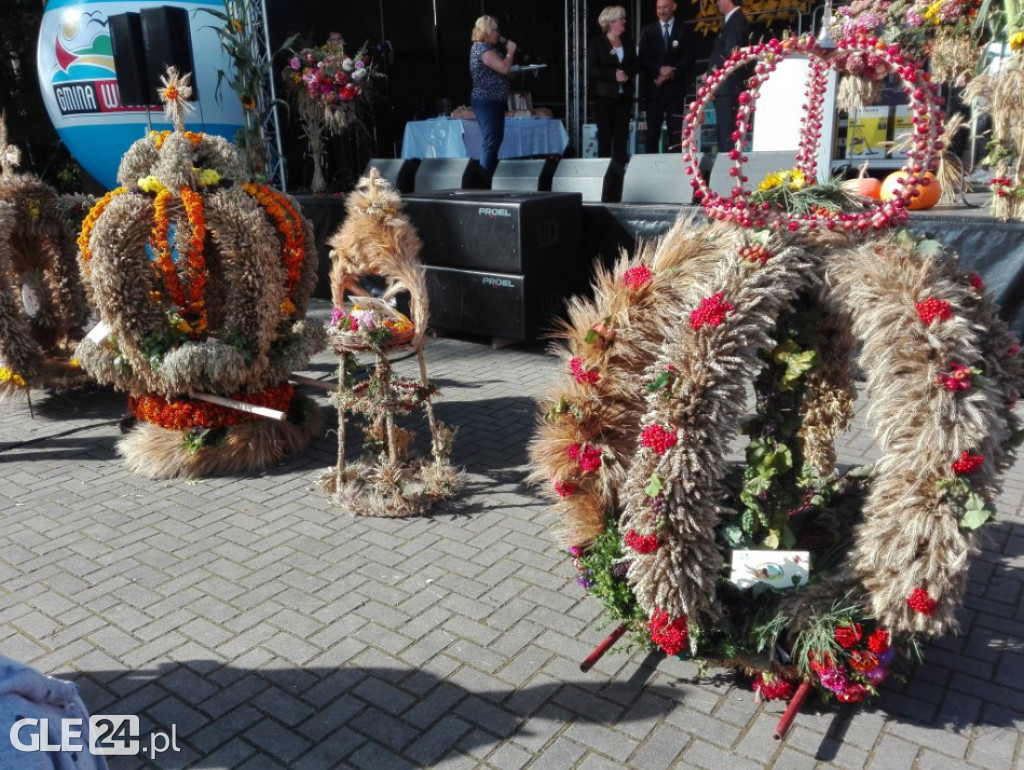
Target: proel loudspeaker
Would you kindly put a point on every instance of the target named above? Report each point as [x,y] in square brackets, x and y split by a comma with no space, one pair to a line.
[656,178]
[522,175]
[758,165]
[167,39]
[130,61]
[450,174]
[508,307]
[598,180]
[400,173]
[507,232]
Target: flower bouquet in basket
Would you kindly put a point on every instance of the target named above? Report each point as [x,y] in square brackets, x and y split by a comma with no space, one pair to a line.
[328,85]
[370,324]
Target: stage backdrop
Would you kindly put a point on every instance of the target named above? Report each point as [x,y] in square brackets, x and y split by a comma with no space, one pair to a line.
[79,86]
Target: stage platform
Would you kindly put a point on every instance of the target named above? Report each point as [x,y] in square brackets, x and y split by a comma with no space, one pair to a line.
[993,249]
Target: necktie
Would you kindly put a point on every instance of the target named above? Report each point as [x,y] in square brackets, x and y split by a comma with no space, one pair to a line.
[665,36]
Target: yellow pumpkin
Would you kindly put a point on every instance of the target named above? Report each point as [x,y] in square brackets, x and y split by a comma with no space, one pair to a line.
[927,195]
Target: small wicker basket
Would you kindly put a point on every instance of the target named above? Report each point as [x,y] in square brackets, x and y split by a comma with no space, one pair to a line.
[344,339]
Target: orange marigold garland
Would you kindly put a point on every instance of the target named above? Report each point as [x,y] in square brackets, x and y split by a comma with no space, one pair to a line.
[158,138]
[163,260]
[185,413]
[191,303]
[90,222]
[289,224]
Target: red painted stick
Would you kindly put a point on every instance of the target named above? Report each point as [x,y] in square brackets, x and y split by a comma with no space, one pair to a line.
[791,711]
[602,648]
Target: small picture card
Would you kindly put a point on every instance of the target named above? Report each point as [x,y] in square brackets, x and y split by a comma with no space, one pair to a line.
[99,333]
[779,569]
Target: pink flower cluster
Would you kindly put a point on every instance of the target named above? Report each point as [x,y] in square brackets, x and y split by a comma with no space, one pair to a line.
[671,635]
[921,601]
[958,378]
[641,543]
[967,464]
[588,457]
[581,374]
[564,488]
[638,276]
[658,438]
[711,311]
[772,686]
[866,663]
[930,309]
[328,75]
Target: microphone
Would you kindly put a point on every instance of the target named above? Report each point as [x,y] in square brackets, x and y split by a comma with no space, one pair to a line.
[502,40]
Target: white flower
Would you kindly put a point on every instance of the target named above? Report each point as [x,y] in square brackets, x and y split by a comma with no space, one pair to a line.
[359,75]
[348,65]
[367,319]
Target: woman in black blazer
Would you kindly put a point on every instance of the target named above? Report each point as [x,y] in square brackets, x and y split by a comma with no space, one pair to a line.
[611,65]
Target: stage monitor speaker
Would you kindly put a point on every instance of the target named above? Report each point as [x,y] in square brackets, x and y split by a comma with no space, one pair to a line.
[500,305]
[167,38]
[507,232]
[399,172]
[757,167]
[533,175]
[130,61]
[655,178]
[450,174]
[598,180]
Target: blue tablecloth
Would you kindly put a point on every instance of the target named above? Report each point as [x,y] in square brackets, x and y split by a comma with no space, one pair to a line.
[456,138]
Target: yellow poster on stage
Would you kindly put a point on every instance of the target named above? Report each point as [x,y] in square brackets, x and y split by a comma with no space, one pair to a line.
[867,132]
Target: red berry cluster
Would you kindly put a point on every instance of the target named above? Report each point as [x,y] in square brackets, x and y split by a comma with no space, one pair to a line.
[641,543]
[564,488]
[711,311]
[967,463]
[638,276]
[758,254]
[582,375]
[959,377]
[589,457]
[773,687]
[920,601]
[658,438]
[975,280]
[930,308]
[670,635]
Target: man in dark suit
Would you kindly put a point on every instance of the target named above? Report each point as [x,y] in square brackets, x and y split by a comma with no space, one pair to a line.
[735,33]
[666,57]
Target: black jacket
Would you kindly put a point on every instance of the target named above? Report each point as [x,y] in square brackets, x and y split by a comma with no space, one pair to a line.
[734,34]
[602,63]
[653,56]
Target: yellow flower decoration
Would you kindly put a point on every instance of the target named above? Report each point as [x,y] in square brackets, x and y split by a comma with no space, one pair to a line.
[6,375]
[770,181]
[1017,40]
[207,177]
[150,184]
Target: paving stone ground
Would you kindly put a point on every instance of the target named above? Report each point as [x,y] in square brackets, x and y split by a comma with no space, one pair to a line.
[272,630]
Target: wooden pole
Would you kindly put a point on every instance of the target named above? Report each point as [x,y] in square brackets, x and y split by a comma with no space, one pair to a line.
[602,648]
[795,703]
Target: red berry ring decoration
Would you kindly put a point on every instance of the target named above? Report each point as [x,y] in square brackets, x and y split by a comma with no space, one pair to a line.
[740,208]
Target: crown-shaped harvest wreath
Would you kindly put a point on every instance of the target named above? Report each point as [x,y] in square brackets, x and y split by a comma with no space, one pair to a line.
[634,444]
[923,156]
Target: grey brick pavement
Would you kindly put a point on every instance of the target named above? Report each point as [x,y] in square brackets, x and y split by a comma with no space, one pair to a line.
[274,631]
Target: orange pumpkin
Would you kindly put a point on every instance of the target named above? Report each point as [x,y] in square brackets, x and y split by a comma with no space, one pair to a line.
[864,185]
[927,195]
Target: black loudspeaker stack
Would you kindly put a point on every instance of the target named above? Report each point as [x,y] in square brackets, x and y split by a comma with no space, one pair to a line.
[144,45]
[499,264]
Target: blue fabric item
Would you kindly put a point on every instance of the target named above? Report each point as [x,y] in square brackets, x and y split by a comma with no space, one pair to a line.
[462,138]
[28,694]
[490,116]
[487,84]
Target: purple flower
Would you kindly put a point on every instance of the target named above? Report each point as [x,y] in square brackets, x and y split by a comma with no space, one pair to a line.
[584,580]
[336,315]
[294,63]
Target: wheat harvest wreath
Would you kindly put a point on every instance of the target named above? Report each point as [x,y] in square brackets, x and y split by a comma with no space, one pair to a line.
[201,279]
[787,567]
